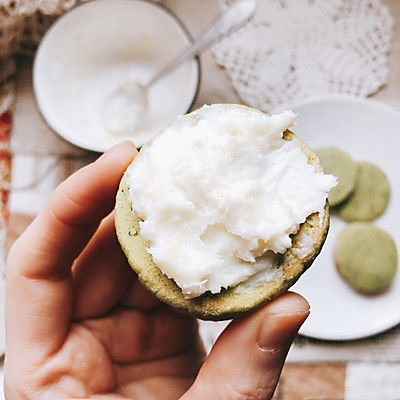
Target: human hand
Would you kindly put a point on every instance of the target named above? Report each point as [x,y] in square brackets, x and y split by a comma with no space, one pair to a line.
[81,326]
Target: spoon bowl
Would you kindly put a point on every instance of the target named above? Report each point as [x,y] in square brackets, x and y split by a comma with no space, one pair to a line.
[125,110]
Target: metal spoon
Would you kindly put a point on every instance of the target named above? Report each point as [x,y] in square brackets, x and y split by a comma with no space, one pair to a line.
[126,109]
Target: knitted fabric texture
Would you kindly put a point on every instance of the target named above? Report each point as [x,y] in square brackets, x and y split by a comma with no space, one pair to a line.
[23,23]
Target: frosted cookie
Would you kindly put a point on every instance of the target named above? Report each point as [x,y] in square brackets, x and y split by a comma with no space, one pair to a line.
[338,163]
[370,196]
[223,211]
[366,257]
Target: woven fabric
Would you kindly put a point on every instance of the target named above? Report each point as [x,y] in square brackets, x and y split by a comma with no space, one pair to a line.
[297,49]
[23,22]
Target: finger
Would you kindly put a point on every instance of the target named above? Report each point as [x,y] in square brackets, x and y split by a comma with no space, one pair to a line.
[103,277]
[72,214]
[133,336]
[101,273]
[247,359]
[39,282]
[139,297]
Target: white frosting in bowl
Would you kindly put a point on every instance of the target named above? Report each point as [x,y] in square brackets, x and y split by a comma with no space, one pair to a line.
[99,46]
[220,194]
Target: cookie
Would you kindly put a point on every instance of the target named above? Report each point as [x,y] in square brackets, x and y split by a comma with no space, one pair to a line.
[366,257]
[370,196]
[235,301]
[338,163]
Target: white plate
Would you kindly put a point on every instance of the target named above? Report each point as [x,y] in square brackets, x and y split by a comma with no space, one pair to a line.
[368,131]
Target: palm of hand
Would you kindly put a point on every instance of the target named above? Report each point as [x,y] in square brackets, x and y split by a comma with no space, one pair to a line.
[121,342]
[129,353]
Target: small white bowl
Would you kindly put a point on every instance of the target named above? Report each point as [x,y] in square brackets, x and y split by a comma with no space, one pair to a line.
[97,46]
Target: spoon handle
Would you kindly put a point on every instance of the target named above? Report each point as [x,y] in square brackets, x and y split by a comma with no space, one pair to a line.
[234,18]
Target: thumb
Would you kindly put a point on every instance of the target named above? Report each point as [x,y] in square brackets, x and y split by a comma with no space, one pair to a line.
[246,360]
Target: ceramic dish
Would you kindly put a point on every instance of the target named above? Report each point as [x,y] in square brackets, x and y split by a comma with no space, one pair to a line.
[99,45]
[369,131]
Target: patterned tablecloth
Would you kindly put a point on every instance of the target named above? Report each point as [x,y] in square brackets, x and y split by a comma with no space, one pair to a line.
[7,97]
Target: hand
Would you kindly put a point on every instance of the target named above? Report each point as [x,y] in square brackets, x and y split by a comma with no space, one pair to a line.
[81,326]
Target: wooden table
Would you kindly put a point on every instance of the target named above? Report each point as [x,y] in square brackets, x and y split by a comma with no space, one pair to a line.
[317,370]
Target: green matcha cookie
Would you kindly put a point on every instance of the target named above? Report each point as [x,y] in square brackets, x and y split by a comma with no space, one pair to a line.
[370,196]
[366,257]
[338,163]
[232,302]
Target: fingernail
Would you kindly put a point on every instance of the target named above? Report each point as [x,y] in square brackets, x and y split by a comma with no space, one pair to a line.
[281,321]
[125,146]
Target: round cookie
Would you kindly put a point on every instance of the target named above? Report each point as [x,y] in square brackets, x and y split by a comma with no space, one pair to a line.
[338,163]
[370,196]
[366,257]
[232,302]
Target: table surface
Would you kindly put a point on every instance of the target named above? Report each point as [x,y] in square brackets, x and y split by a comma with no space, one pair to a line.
[317,370]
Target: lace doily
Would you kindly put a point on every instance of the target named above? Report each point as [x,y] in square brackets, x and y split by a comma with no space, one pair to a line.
[297,49]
